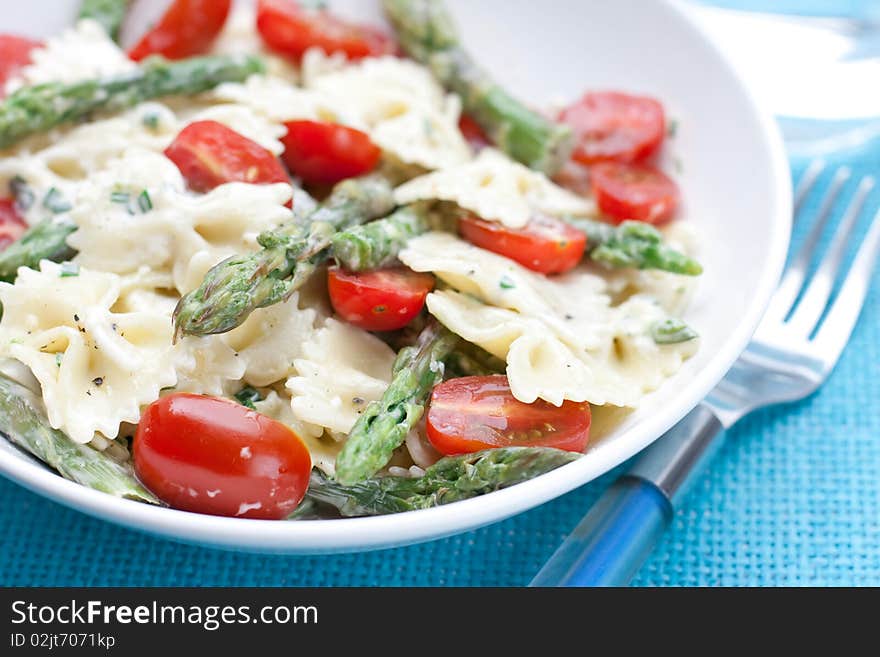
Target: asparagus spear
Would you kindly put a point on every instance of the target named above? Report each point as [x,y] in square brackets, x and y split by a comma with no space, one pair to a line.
[109,13]
[23,422]
[451,479]
[632,244]
[384,424]
[236,287]
[377,243]
[428,34]
[46,240]
[40,108]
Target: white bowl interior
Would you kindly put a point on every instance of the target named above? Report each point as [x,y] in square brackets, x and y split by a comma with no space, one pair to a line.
[736,187]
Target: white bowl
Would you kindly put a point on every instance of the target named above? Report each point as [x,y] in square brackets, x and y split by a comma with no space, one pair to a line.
[736,185]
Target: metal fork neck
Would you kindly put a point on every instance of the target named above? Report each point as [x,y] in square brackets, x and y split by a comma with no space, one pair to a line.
[670,461]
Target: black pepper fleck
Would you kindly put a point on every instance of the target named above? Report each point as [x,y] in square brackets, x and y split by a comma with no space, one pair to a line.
[76,318]
[98,381]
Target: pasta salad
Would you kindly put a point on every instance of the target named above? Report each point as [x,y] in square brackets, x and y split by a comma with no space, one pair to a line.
[269,263]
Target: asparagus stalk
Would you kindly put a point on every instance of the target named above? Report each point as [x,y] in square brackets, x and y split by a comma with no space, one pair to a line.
[428,34]
[451,479]
[632,244]
[377,243]
[46,240]
[23,422]
[384,424]
[38,109]
[236,287]
[109,13]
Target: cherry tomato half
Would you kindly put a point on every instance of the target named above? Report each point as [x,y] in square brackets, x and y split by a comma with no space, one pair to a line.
[12,226]
[615,126]
[480,412]
[209,154]
[472,132]
[381,300]
[634,191]
[187,28]
[15,54]
[290,29]
[214,456]
[546,244]
[325,153]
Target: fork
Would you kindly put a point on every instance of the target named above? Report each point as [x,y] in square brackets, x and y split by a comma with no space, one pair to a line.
[791,354]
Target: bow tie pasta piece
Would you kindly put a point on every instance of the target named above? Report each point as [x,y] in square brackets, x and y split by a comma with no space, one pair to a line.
[503,284]
[277,100]
[271,339]
[118,230]
[137,213]
[76,54]
[496,188]
[341,371]
[401,106]
[322,449]
[95,367]
[561,338]
[71,161]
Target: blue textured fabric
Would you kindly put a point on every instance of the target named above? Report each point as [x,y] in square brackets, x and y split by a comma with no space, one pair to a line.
[793,498]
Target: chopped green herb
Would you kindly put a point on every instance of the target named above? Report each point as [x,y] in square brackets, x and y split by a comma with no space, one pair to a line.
[145,203]
[248,396]
[69,269]
[120,197]
[315,5]
[672,331]
[151,121]
[672,128]
[22,193]
[58,358]
[506,283]
[55,202]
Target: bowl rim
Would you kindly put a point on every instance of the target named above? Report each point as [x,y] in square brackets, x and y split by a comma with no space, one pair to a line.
[358,534]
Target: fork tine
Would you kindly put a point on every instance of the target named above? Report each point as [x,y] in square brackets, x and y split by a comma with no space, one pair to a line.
[838,325]
[807,181]
[812,304]
[793,280]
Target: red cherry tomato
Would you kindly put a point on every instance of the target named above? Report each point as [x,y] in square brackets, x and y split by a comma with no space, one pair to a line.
[214,456]
[382,300]
[634,191]
[187,28]
[325,153]
[546,244]
[15,54]
[480,412]
[209,154]
[290,29]
[472,132]
[615,126]
[12,226]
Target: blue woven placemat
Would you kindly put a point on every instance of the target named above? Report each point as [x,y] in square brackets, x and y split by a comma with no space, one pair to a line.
[792,499]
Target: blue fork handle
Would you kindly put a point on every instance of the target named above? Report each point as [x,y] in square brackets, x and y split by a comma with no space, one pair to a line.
[611,543]
[614,538]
